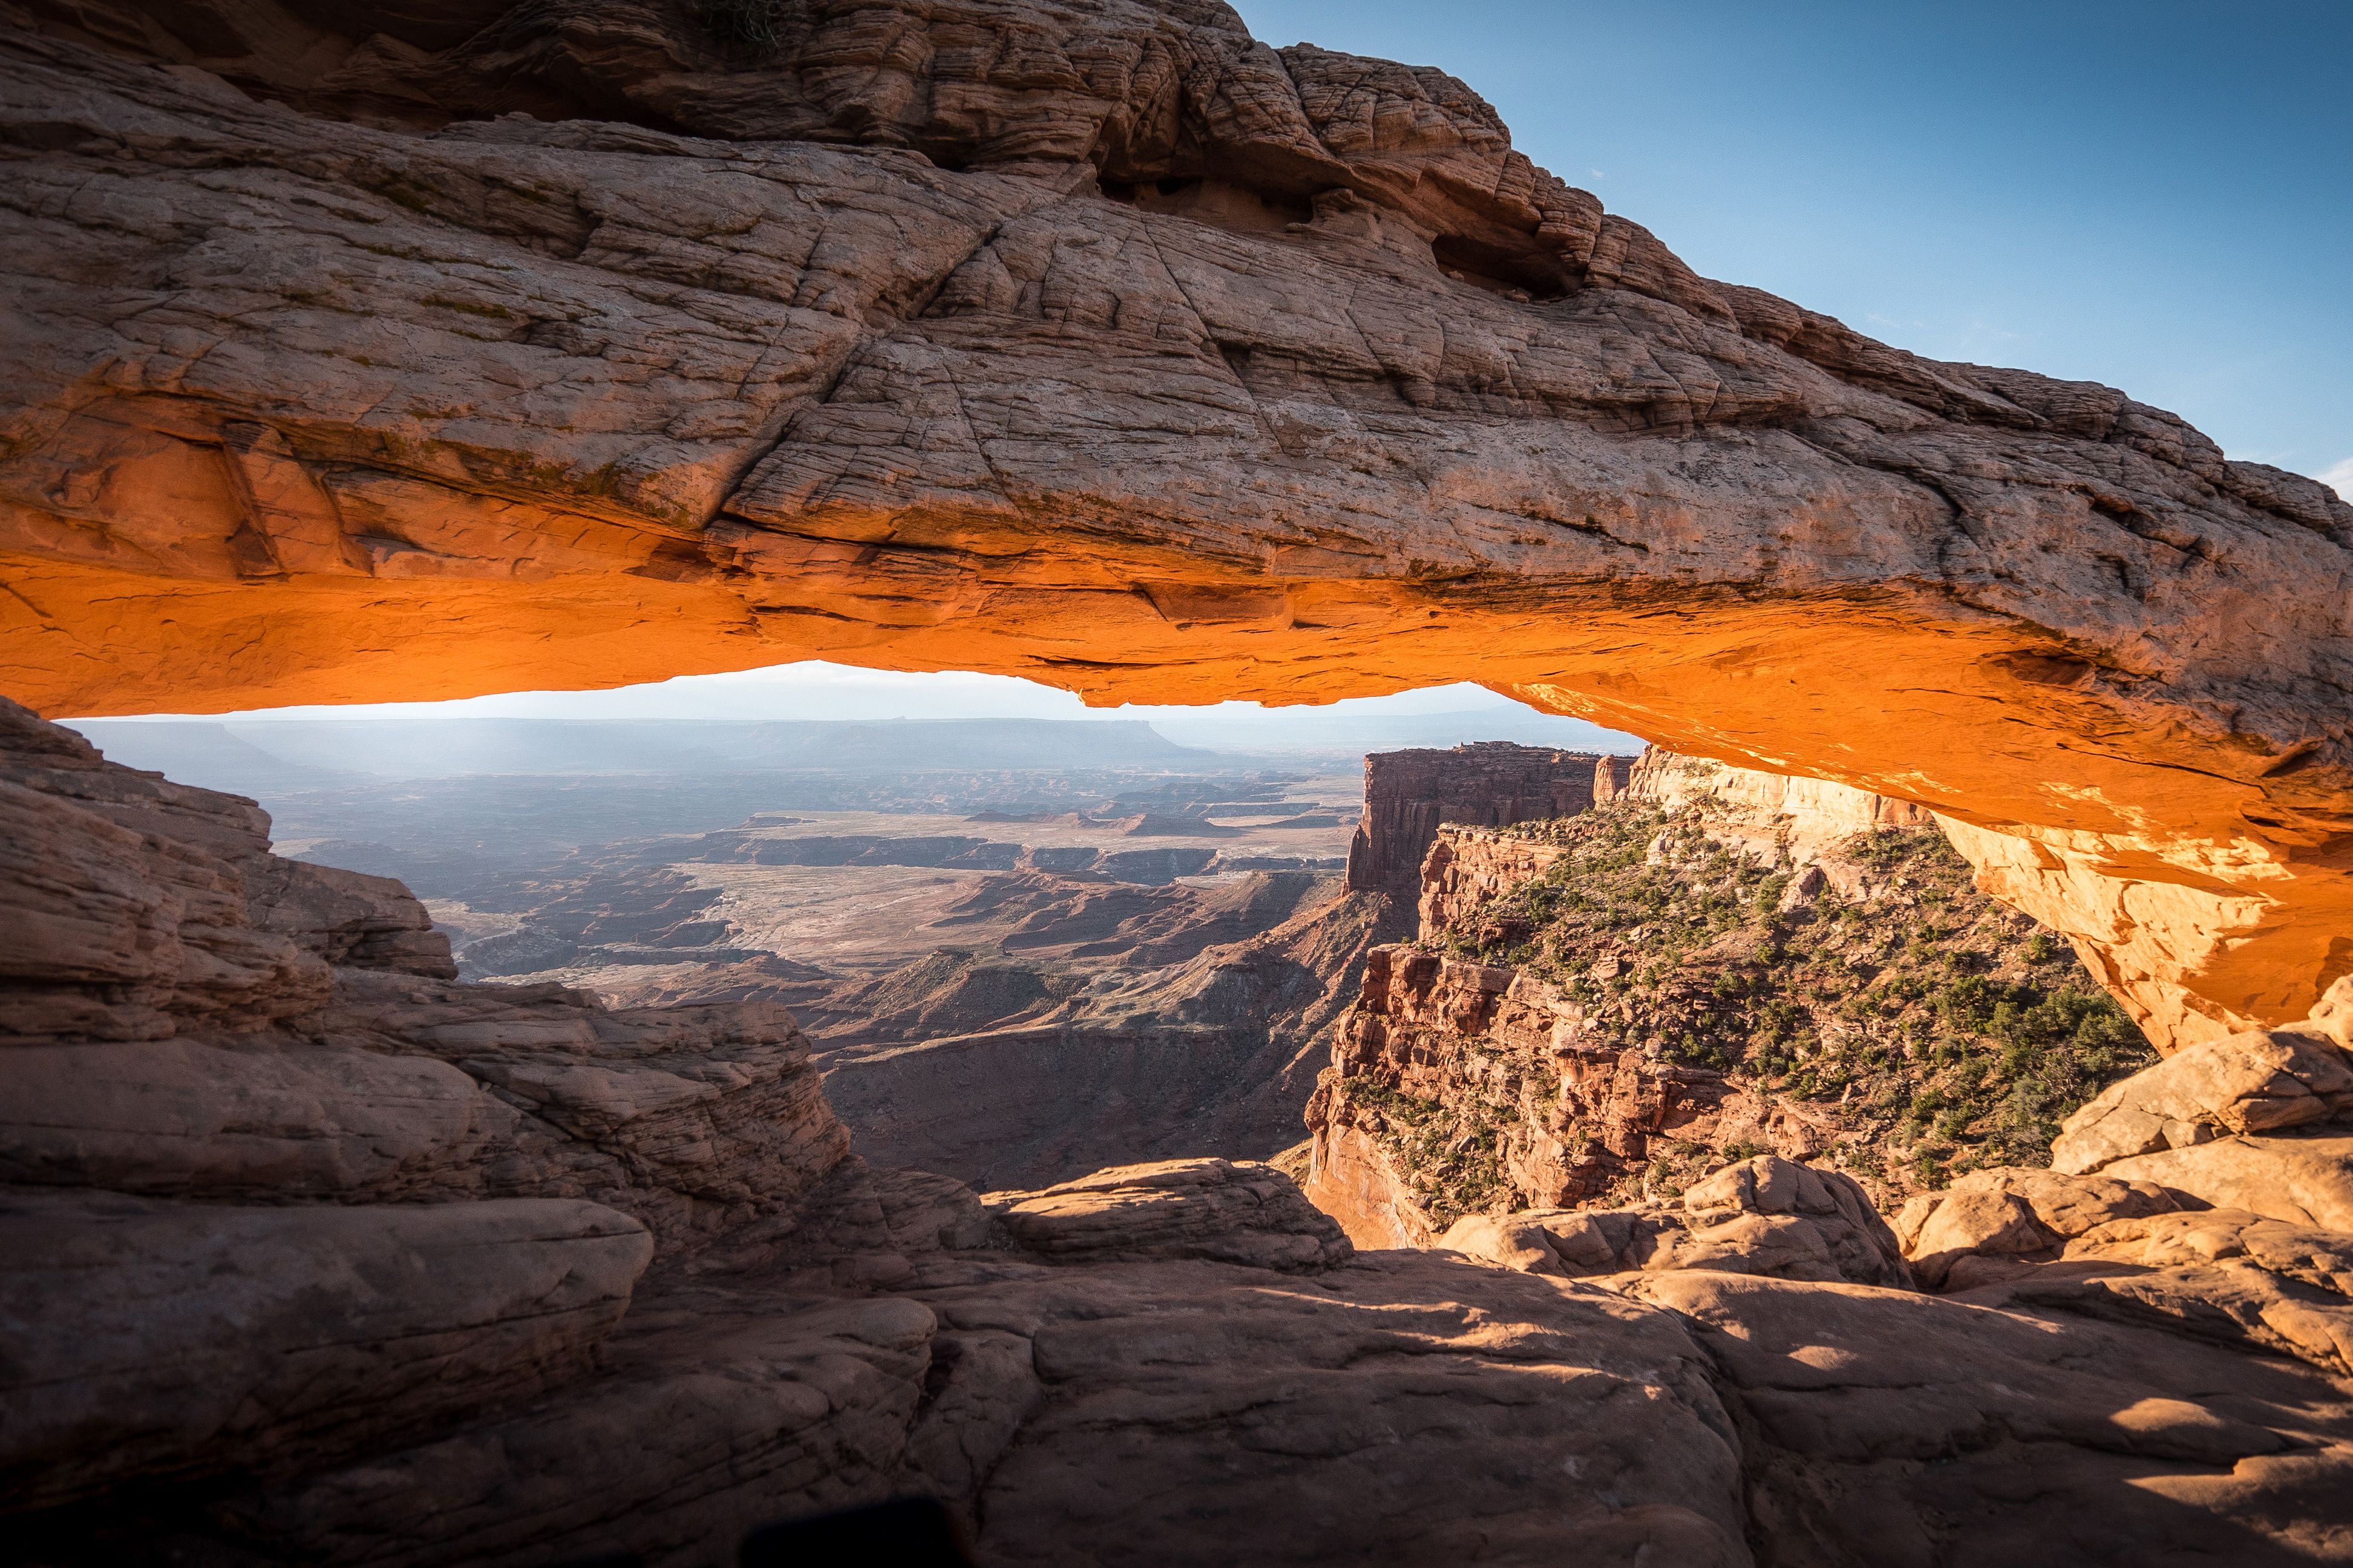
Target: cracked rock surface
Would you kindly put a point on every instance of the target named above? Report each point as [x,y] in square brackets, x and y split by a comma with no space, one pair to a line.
[309,1252]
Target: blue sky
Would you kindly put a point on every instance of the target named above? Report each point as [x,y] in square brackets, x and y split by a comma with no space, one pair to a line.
[2155,196]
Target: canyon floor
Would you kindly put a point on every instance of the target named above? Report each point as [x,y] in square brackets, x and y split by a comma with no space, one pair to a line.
[1021,951]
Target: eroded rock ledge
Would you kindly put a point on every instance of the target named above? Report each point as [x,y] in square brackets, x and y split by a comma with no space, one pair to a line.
[310,1253]
[1098,343]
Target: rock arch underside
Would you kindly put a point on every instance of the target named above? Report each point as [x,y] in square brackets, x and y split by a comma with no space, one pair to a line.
[472,347]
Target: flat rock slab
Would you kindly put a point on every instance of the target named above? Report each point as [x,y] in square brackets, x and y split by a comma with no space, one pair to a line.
[2301,1180]
[1232,1211]
[2256,1082]
[1404,1408]
[211,1338]
[1886,1428]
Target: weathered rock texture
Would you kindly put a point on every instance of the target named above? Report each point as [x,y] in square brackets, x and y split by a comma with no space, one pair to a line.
[1408,794]
[1882,1427]
[2258,1082]
[309,1252]
[152,1340]
[277,1187]
[563,344]
[1246,1213]
[1763,1216]
[2244,1240]
[1465,868]
[289,1214]
[1597,1010]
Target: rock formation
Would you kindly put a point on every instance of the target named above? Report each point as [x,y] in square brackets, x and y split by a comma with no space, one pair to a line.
[580,343]
[1763,1216]
[1599,1008]
[309,1252]
[1492,784]
[411,352]
[2237,1238]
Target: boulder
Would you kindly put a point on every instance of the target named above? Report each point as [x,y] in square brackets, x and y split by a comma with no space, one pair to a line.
[1997,1222]
[1833,1207]
[2320,1257]
[2302,1181]
[1521,1241]
[2332,1016]
[1233,1211]
[2256,1082]
[2224,1275]
[1963,1226]
[2070,1205]
[1763,1216]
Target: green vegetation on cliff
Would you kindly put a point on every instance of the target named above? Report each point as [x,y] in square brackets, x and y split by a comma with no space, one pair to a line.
[1942,1031]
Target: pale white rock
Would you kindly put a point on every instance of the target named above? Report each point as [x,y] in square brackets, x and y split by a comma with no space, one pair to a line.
[2256,1082]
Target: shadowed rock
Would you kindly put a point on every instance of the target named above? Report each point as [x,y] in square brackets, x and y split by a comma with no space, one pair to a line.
[1152,1363]
[205,1338]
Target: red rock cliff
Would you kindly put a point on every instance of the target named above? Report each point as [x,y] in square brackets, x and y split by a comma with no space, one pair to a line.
[1489,784]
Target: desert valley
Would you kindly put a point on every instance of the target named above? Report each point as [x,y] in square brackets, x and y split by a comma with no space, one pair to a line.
[1851,1064]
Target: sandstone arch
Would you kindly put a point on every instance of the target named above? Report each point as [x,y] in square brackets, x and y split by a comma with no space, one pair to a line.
[1101,345]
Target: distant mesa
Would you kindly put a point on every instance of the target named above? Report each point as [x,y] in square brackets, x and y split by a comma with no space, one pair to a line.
[1153,824]
[1489,784]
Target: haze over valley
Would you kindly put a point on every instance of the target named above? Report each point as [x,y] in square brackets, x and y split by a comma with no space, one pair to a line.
[1028,942]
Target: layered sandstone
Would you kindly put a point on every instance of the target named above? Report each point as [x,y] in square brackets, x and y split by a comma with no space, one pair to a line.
[314,1254]
[571,344]
[1492,783]
[2164,1209]
[1465,868]
[1762,1215]
[278,1188]
[309,1251]
[1598,1009]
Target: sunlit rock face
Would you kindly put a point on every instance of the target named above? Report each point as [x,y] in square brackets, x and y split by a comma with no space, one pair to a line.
[467,348]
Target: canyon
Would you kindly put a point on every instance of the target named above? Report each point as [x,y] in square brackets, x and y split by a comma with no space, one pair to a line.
[1712,963]
[1020,952]
[386,352]
[318,1253]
